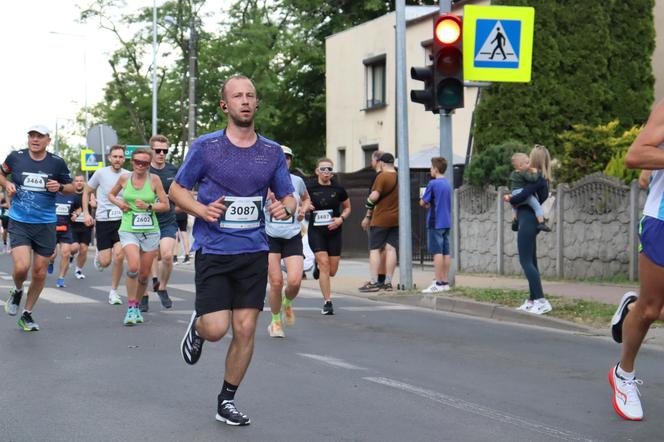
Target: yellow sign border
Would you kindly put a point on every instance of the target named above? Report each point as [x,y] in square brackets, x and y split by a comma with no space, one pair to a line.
[524,14]
[84,167]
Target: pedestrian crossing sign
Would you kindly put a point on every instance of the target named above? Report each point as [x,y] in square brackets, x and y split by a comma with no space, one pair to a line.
[498,43]
[89,160]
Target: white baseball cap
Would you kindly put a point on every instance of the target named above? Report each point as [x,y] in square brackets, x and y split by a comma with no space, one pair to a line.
[287,150]
[40,128]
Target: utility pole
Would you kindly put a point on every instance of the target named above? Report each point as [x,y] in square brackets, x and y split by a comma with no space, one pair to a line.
[154,67]
[193,60]
[405,231]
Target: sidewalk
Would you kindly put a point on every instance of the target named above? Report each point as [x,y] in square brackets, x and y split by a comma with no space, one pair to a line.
[354,272]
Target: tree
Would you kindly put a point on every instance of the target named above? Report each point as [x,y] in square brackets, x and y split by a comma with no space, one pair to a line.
[591,65]
[494,165]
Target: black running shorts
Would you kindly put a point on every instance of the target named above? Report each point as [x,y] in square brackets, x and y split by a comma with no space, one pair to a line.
[286,247]
[325,240]
[229,282]
[107,234]
[40,237]
[82,235]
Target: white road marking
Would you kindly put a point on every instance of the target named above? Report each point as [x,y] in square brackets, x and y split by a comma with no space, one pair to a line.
[480,410]
[335,362]
[58,296]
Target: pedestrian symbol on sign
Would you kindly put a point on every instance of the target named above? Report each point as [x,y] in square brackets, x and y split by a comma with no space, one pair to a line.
[91,160]
[501,43]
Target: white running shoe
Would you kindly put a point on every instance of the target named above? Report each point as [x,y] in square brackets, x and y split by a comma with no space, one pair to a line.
[527,306]
[626,394]
[541,306]
[97,264]
[275,330]
[435,288]
[79,274]
[114,298]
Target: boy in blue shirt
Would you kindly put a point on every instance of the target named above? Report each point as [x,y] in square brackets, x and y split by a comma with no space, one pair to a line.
[437,199]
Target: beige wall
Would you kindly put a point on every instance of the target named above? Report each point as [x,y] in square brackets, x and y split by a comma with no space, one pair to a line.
[658,55]
[349,126]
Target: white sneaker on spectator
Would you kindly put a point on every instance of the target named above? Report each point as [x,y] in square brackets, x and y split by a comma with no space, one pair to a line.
[527,306]
[541,306]
[436,288]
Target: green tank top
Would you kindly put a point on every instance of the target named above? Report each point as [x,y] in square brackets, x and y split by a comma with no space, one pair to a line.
[138,220]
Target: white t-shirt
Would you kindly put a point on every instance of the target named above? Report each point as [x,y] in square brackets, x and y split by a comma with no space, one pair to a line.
[103,181]
[288,228]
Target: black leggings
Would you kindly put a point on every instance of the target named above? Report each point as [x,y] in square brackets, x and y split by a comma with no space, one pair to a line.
[527,245]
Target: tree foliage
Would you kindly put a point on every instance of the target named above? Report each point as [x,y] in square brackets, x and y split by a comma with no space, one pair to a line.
[280,44]
[494,165]
[591,65]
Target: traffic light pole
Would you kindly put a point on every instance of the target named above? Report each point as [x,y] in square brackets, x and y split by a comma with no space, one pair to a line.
[446,151]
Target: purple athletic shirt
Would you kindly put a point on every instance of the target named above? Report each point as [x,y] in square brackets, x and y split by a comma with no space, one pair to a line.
[220,168]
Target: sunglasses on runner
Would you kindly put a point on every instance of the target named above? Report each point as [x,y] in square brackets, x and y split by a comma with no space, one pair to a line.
[326,169]
[141,163]
[158,151]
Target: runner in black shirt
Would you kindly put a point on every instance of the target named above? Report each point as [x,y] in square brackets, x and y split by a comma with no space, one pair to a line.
[325,226]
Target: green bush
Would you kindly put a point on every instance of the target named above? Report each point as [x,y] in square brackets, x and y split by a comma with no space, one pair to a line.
[616,166]
[493,166]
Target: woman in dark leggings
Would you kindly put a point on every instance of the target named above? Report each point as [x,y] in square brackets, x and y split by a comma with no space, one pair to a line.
[527,236]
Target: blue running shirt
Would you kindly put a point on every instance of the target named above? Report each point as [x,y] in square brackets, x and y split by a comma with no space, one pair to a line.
[243,176]
[33,204]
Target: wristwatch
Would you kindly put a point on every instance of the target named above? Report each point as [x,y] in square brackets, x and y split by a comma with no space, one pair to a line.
[149,208]
[288,211]
[61,187]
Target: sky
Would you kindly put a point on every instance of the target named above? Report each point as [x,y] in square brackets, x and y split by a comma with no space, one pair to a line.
[43,75]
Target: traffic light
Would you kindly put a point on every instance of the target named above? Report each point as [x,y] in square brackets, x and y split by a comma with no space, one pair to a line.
[427,95]
[448,63]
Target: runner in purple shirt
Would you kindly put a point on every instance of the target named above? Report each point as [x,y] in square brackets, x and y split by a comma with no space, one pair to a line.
[233,169]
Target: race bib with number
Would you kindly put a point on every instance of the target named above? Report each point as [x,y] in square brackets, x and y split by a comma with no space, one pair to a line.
[62,209]
[242,212]
[142,220]
[115,213]
[323,217]
[34,182]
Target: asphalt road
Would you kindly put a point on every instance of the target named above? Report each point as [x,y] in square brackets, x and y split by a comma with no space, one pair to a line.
[372,372]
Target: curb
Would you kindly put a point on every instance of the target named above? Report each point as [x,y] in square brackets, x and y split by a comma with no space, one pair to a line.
[482,310]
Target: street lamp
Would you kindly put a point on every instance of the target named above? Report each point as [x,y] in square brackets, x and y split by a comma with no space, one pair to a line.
[85,71]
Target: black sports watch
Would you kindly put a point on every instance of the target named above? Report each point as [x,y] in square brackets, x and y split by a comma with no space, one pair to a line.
[61,187]
[149,208]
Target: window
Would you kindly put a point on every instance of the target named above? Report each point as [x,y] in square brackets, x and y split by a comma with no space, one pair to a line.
[369,149]
[375,81]
[341,159]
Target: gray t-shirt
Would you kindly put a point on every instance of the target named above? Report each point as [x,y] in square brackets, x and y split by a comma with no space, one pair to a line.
[103,181]
[286,229]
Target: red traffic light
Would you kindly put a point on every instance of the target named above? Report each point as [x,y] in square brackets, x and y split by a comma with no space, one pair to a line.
[447,29]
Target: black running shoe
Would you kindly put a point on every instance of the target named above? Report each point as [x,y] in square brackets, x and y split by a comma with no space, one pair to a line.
[164,298]
[327,308]
[144,306]
[155,284]
[515,225]
[370,287]
[192,344]
[620,315]
[228,413]
[387,287]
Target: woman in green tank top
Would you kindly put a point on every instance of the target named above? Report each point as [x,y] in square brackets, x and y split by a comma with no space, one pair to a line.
[143,195]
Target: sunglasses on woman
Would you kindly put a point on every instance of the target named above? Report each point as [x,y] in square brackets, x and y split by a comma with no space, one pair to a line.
[141,163]
[326,169]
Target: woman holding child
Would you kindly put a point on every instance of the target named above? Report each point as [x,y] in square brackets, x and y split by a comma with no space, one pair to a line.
[529,227]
